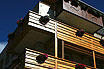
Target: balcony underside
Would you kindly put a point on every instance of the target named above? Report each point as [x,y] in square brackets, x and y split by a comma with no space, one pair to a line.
[77,21]
[33,39]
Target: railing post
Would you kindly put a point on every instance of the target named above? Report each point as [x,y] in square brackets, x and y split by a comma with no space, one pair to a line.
[93,54]
[62,49]
[94,59]
[56,47]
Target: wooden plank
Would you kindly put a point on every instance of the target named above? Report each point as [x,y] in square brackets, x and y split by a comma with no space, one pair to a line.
[74,40]
[86,41]
[84,38]
[60,29]
[34,66]
[79,42]
[75,30]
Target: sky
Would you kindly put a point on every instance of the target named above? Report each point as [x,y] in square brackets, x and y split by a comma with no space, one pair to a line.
[10,12]
[13,10]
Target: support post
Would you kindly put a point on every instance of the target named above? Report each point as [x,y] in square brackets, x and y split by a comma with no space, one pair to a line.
[93,54]
[94,60]
[62,49]
[56,47]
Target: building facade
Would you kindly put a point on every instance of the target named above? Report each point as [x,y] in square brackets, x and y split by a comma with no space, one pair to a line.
[72,34]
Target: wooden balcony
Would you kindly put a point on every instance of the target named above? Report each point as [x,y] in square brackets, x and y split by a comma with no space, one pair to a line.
[30,62]
[67,33]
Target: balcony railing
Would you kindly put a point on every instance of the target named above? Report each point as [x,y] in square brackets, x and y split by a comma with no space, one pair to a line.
[30,61]
[67,33]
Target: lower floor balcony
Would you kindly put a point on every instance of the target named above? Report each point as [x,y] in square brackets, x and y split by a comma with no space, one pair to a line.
[31,62]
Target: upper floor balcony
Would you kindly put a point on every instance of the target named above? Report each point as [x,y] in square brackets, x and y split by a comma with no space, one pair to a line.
[75,13]
[67,33]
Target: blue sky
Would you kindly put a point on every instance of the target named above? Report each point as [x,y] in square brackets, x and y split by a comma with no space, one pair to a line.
[13,10]
[98,4]
[10,12]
